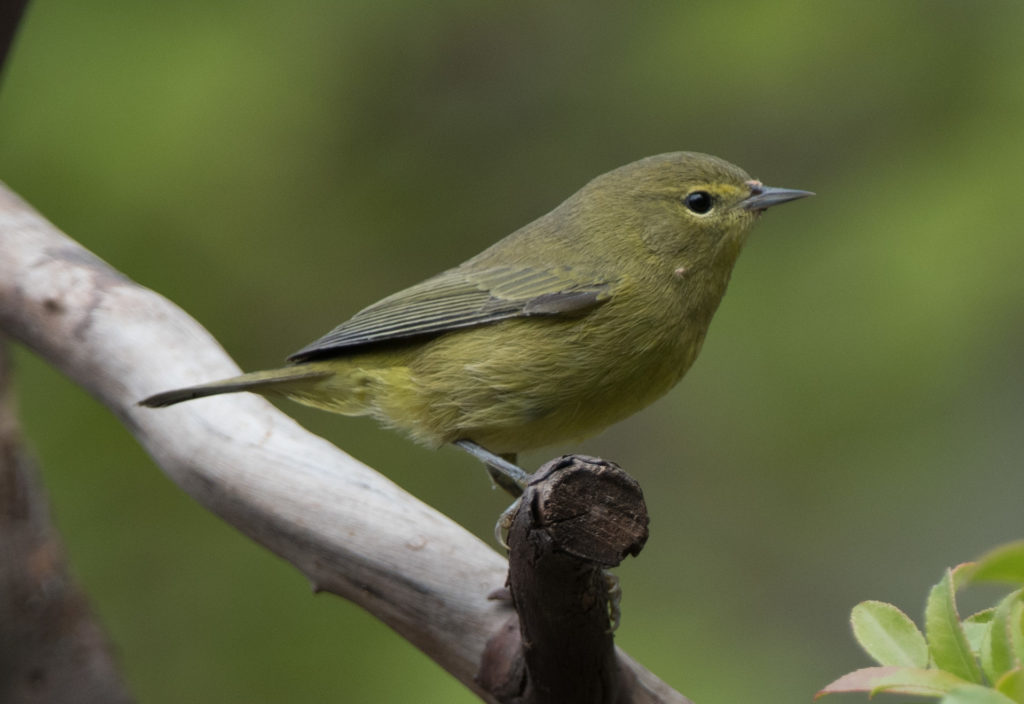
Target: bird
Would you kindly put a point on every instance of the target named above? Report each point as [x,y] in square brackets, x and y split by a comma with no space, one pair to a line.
[569,324]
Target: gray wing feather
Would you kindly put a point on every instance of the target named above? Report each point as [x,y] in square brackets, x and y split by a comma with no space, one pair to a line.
[463,298]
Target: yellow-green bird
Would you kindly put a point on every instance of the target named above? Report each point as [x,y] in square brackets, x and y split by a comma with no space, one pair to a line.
[571,323]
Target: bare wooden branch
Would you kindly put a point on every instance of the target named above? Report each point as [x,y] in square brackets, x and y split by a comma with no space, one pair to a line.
[349,529]
[51,647]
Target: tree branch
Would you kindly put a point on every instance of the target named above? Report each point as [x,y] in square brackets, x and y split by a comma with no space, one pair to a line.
[51,648]
[11,12]
[578,516]
[350,530]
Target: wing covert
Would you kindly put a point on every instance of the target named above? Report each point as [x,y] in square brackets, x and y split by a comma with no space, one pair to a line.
[463,298]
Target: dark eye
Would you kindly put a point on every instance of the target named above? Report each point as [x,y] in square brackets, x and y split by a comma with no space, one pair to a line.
[699,202]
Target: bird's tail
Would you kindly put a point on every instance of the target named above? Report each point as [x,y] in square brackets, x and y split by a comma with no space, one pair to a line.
[260,382]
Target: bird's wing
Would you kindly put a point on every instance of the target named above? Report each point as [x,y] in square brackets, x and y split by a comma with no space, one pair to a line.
[463,298]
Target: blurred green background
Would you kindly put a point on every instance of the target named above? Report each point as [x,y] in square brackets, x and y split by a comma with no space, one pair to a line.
[856,420]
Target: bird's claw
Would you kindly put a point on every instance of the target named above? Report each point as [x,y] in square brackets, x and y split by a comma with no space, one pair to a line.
[504,523]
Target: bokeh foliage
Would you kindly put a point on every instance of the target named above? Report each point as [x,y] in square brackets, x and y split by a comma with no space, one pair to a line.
[854,423]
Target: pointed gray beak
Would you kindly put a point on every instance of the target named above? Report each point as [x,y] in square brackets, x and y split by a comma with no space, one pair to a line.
[764,197]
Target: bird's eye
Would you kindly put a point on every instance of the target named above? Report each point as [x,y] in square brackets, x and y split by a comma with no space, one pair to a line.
[699,202]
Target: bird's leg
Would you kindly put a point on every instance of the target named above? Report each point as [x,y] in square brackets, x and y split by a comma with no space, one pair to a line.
[503,470]
[504,473]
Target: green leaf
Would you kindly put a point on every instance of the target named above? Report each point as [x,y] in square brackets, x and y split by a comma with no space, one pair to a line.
[1003,564]
[981,617]
[946,640]
[916,681]
[900,680]
[1016,626]
[962,574]
[977,628]
[997,648]
[975,694]
[888,635]
[1012,685]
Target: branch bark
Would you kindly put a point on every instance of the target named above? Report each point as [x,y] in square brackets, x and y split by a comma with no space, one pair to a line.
[350,530]
[578,516]
[51,647]
[11,12]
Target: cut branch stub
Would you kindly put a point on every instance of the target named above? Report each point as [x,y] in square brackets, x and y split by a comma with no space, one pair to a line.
[591,508]
[578,516]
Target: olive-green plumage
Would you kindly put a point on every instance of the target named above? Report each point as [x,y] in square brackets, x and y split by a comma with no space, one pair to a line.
[573,322]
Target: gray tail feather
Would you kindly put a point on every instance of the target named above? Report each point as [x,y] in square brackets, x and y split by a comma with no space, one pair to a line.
[257,381]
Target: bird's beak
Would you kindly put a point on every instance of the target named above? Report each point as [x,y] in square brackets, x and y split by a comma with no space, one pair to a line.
[764,197]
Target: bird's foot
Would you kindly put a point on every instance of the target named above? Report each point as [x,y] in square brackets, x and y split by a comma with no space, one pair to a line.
[504,523]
